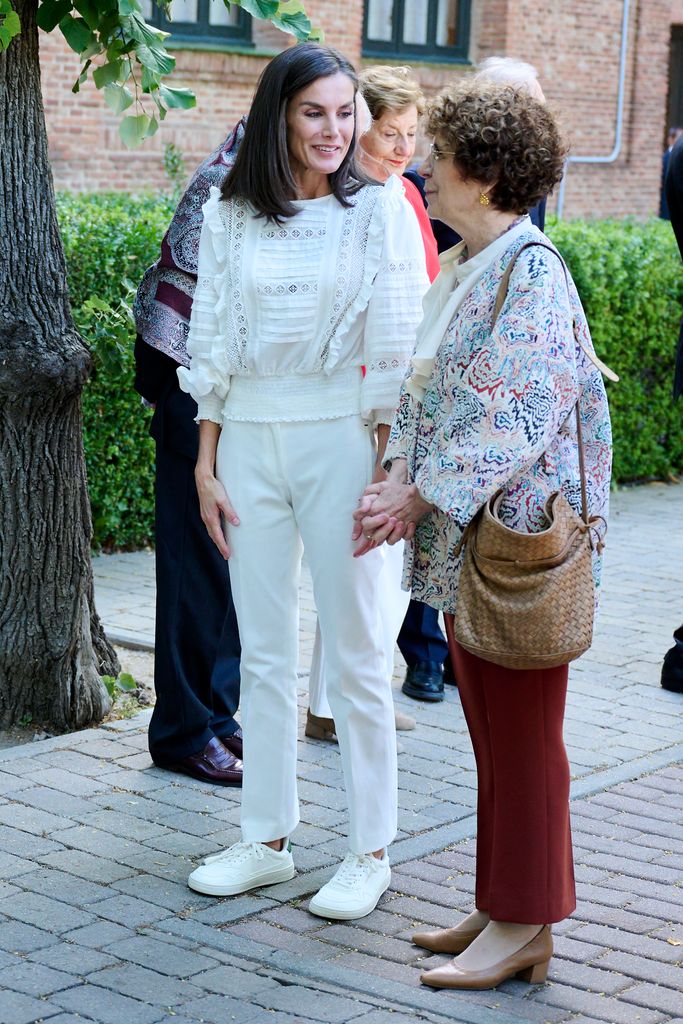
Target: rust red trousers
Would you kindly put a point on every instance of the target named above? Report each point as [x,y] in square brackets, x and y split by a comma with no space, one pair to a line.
[525,869]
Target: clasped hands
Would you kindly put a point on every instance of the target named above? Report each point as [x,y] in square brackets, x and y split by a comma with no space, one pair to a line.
[389,510]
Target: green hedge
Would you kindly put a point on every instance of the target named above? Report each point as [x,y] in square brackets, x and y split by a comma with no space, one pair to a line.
[110,239]
[629,276]
[630,279]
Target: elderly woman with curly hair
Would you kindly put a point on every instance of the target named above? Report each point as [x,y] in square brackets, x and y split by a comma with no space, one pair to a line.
[488,407]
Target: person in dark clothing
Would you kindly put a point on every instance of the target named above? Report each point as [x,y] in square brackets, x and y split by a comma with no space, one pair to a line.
[197,645]
[672,669]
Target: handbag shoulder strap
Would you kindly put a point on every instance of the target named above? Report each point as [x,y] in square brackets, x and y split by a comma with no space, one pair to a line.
[502,294]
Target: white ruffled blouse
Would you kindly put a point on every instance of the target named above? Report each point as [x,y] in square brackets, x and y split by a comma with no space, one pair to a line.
[284,316]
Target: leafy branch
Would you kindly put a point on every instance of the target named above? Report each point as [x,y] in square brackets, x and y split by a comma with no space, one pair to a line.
[120,51]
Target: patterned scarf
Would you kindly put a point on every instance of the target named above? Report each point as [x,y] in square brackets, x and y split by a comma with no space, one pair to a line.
[163,303]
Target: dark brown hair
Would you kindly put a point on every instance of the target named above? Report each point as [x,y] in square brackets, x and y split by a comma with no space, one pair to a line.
[500,134]
[261,173]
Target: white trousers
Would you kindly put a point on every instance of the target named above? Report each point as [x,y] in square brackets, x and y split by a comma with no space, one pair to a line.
[393,605]
[294,484]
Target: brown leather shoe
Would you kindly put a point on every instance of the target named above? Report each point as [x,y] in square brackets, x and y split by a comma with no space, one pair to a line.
[530,963]
[320,728]
[234,743]
[214,764]
[447,940]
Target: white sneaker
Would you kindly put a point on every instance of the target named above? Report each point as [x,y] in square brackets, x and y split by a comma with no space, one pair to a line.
[355,889]
[242,867]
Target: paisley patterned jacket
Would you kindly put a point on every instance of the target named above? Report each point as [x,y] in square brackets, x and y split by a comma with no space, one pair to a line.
[498,414]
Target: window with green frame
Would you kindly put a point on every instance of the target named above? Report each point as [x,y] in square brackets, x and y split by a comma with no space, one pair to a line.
[202,21]
[429,30]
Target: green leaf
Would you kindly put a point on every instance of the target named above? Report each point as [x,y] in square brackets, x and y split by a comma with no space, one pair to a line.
[51,13]
[76,87]
[181,98]
[129,7]
[259,8]
[138,29]
[150,80]
[90,13]
[76,33]
[117,97]
[10,26]
[155,58]
[126,682]
[107,73]
[134,129]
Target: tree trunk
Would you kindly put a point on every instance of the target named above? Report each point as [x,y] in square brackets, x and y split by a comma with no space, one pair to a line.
[52,646]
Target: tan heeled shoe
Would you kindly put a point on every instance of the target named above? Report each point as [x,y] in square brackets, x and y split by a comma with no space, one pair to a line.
[320,728]
[446,940]
[530,963]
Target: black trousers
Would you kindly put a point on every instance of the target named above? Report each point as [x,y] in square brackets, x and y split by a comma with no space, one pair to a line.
[197,647]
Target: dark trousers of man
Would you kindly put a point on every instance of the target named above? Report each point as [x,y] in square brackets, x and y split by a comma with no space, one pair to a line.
[197,648]
[421,638]
[525,870]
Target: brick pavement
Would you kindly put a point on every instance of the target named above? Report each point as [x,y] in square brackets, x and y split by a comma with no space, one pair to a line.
[96,922]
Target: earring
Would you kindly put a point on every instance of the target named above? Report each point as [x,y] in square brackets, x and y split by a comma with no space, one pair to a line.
[484,199]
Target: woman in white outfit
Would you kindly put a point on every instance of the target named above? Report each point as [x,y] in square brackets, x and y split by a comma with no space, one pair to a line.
[307,272]
[393,103]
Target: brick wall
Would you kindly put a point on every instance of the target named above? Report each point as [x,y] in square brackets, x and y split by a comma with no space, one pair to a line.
[574,46]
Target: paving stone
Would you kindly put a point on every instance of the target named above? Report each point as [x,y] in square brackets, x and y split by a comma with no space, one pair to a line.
[656,997]
[35,909]
[231,981]
[164,957]
[389,970]
[163,892]
[318,1006]
[106,1007]
[592,979]
[63,804]
[11,785]
[130,912]
[35,979]
[16,937]
[23,844]
[17,1008]
[228,911]
[87,865]
[125,826]
[604,1008]
[63,887]
[72,959]
[68,782]
[385,1017]
[369,942]
[642,968]
[93,840]
[222,1009]
[281,938]
[99,934]
[146,985]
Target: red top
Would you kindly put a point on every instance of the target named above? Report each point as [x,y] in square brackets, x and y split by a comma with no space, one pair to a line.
[431,252]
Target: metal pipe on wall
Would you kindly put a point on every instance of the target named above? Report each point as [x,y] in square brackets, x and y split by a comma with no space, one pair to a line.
[616,150]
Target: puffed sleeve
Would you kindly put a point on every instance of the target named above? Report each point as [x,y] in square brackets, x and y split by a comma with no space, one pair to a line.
[510,398]
[208,378]
[395,306]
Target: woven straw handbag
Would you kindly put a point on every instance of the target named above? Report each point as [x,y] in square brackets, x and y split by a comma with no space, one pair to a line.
[527,600]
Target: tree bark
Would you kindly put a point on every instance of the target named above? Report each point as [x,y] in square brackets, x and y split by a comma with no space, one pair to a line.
[52,646]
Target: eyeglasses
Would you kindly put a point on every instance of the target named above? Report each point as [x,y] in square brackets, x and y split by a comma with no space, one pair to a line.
[438,154]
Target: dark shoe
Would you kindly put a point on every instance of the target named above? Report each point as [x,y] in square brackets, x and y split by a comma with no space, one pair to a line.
[672,669]
[424,681]
[214,764]
[234,743]
[448,673]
